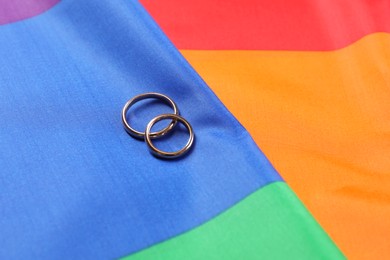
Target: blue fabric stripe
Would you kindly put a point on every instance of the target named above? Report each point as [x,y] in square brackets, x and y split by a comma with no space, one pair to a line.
[73,183]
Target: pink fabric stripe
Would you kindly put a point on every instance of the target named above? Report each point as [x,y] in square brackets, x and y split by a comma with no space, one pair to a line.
[16,10]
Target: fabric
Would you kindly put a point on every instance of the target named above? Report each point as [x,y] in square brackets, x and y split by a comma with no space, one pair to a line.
[310,81]
[17,10]
[318,25]
[269,224]
[74,184]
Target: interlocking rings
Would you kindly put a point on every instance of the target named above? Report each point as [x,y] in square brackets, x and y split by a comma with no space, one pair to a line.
[147,135]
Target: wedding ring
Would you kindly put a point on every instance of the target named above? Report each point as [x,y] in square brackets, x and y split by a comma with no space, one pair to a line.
[163,154]
[139,134]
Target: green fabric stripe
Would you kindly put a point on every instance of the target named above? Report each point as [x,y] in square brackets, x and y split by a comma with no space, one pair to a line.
[271,223]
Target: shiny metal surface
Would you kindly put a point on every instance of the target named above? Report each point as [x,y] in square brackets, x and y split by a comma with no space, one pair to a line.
[163,154]
[138,134]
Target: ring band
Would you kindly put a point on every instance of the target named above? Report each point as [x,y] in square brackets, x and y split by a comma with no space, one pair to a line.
[163,154]
[141,135]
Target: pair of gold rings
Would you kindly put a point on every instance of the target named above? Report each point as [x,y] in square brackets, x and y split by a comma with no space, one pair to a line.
[147,135]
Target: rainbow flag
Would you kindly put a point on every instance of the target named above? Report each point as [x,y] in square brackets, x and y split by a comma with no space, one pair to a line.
[307,80]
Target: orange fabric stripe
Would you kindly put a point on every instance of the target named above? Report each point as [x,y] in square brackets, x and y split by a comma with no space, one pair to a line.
[323,119]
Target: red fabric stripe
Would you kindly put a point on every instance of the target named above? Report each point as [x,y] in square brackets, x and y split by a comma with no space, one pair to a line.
[269,25]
